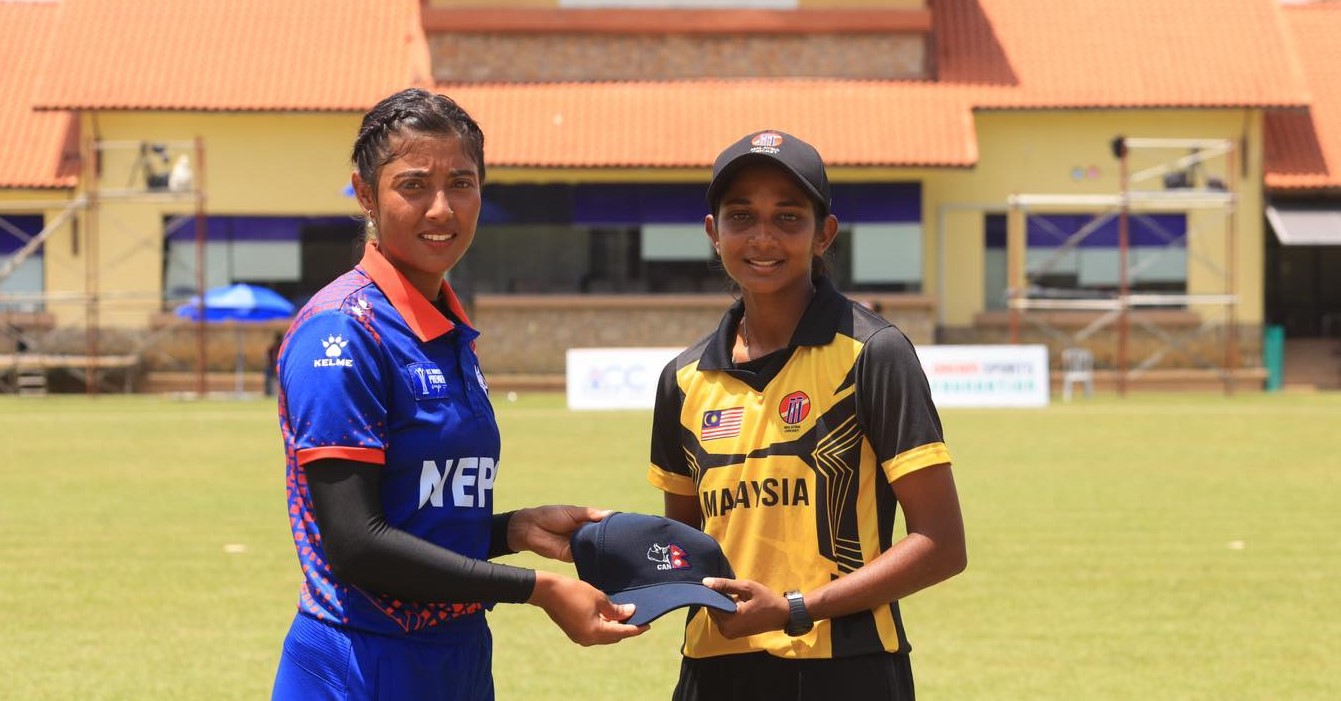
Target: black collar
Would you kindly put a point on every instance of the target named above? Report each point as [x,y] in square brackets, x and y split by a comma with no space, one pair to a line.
[819,324]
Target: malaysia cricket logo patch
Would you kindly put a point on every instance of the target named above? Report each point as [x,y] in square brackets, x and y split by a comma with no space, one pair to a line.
[668,557]
[794,408]
[766,142]
[721,423]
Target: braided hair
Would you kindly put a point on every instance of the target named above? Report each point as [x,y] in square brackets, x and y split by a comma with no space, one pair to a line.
[412,111]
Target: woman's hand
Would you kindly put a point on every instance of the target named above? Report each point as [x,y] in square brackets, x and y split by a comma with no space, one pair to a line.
[758,608]
[546,530]
[581,611]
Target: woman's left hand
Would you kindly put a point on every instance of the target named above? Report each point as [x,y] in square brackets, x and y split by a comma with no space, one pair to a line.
[546,530]
[758,608]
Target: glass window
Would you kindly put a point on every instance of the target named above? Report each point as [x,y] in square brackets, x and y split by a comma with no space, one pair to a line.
[25,281]
[1075,254]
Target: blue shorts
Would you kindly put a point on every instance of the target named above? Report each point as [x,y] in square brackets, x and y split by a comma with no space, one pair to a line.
[322,662]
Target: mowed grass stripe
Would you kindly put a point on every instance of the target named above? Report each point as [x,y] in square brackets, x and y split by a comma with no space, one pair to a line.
[1161,546]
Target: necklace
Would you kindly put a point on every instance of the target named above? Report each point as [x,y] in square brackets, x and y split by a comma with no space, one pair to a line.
[744,334]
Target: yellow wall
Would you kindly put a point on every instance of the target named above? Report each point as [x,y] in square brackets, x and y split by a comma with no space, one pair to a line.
[297,165]
[255,164]
[1035,152]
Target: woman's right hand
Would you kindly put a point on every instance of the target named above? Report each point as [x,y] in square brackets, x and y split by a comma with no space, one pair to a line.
[583,612]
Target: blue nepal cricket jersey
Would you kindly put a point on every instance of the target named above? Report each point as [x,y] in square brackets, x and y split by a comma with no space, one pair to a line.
[371,371]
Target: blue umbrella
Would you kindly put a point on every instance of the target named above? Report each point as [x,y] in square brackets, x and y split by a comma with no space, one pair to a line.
[240,302]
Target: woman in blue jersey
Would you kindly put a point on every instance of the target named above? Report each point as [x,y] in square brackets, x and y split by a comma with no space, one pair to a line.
[393,451]
[792,434]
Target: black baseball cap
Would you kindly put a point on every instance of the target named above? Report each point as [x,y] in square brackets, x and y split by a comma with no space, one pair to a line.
[656,563]
[798,157]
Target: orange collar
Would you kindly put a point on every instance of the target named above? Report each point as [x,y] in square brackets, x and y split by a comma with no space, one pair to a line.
[424,319]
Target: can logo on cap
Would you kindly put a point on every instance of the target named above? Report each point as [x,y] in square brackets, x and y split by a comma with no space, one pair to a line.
[668,557]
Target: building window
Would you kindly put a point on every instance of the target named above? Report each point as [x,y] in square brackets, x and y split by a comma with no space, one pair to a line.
[294,256]
[1077,255]
[25,282]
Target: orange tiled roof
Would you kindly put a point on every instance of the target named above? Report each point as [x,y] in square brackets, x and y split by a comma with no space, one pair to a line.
[685,123]
[1117,53]
[990,54]
[1303,149]
[291,55]
[31,142]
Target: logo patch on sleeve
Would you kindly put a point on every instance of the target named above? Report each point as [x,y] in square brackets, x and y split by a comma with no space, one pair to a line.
[333,350]
[427,381]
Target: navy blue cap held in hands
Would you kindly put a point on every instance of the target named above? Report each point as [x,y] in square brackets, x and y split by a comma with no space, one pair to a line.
[796,156]
[656,563]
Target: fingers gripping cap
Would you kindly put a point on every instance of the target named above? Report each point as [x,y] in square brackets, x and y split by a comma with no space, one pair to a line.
[798,157]
[657,564]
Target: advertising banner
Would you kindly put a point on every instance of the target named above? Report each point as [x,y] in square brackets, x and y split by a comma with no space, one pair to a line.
[615,378]
[987,376]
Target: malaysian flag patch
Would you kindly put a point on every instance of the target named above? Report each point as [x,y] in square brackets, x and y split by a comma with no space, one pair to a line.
[722,423]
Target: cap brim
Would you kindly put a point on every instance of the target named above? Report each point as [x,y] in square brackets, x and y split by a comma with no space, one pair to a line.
[656,601]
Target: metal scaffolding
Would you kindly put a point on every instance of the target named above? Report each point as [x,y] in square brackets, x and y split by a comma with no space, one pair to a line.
[1202,174]
[183,183]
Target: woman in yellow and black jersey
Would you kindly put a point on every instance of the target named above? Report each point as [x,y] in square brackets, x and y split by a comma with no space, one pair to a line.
[791,434]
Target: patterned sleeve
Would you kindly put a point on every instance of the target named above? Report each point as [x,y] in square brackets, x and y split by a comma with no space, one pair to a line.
[669,471]
[895,408]
[332,381]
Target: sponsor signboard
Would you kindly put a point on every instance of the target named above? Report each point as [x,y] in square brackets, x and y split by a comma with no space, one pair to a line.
[615,378]
[987,375]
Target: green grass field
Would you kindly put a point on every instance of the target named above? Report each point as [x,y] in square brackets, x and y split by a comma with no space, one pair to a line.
[1155,547]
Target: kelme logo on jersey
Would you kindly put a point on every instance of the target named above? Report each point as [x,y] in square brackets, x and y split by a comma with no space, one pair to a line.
[469,481]
[668,557]
[721,423]
[334,348]
[794,408]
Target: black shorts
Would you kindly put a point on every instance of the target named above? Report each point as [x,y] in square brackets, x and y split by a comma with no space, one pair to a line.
[763,677]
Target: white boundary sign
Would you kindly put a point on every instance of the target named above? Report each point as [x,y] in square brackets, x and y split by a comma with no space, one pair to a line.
[986,375]
[615,378]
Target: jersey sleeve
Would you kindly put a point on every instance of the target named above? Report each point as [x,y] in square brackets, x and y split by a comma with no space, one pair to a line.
[895,408]
[334,388]
[669,471]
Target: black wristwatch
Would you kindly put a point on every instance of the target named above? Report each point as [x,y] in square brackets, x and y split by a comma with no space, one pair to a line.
[798,622]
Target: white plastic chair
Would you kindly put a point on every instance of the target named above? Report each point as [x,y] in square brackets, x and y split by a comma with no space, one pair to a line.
[1077,367]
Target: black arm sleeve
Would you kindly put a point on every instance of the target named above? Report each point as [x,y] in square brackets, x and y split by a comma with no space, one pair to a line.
[366,552]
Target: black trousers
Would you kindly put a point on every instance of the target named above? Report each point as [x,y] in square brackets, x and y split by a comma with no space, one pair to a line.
[760,676]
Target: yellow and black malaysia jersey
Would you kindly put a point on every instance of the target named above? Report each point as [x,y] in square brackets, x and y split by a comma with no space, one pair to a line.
[791,458]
